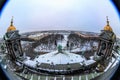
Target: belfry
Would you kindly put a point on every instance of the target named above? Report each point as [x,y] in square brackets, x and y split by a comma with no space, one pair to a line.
[107,39]
[12,41]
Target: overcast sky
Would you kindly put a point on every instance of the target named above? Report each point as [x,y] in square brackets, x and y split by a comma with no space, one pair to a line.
[36,15]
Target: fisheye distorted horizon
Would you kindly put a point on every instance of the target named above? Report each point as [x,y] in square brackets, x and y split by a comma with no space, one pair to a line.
[36,15]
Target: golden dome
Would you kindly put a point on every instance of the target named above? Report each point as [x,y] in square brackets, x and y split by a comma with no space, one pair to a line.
[107,27]
[11,27]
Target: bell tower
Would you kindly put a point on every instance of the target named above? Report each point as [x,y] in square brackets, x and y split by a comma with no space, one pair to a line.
[107,40]
[13,42]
